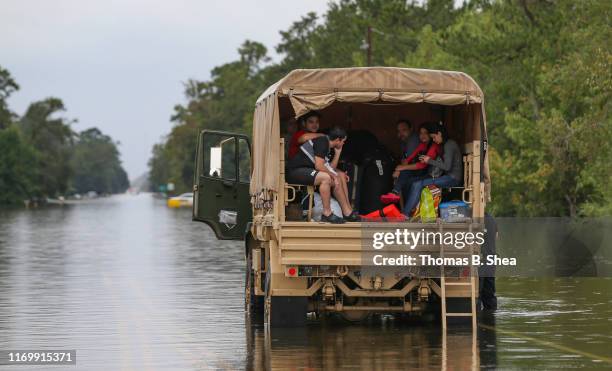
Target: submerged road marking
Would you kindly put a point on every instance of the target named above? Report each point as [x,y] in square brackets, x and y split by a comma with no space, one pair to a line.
[190,355]
[548,343]
[125,344]
[195,358]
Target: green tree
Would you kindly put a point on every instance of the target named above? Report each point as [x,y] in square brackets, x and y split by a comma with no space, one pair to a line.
[550,129]
[52,138]
[159,168]
[40,158]
[7,87]
[96,164]
[17,168]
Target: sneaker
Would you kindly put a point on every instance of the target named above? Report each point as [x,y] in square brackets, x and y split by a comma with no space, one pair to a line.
[353,217]
[332,218]
[390,198]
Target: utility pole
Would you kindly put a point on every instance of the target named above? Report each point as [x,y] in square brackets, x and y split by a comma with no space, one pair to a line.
[369,42]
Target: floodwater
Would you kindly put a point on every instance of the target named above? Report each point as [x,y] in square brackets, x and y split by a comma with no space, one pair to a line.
[132,285]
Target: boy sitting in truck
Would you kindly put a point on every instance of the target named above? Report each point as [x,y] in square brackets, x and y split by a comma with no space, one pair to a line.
[311,165]
[309,123]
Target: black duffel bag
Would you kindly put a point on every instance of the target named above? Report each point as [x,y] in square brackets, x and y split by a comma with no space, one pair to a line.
[375,178]
[358,143]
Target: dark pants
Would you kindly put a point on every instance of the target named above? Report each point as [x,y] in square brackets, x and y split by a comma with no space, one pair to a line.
[414,194]
[488,299]
[405,180]
[487,273]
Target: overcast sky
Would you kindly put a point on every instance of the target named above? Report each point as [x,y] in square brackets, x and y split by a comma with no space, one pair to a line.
[119,64]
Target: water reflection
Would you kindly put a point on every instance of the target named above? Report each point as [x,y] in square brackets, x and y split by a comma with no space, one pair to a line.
[131,284]
[382,344]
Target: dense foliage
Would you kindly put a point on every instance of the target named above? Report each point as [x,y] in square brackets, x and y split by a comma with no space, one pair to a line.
[96,164]
[41,156]
[545,68]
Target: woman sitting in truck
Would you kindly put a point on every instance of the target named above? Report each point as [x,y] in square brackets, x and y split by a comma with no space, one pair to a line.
[444,171]
[411,169]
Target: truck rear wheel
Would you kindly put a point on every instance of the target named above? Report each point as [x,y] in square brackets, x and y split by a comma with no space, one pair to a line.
[353,316]
[284,311]
[253,304]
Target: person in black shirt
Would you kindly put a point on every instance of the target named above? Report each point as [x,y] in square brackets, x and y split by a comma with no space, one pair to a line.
[312,166]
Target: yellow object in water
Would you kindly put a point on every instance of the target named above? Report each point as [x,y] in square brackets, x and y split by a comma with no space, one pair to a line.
[184,200]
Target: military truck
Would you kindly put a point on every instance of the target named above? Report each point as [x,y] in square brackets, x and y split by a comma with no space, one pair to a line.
[298,266]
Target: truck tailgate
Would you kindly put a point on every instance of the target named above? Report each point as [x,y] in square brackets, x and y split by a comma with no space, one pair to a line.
[311,243]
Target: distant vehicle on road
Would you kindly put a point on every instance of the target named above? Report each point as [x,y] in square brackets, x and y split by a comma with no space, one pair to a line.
[184,200]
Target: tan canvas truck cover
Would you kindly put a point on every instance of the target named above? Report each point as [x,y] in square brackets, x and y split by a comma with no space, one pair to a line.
[310,89]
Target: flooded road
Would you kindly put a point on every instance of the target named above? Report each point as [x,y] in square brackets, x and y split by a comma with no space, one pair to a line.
[133,285]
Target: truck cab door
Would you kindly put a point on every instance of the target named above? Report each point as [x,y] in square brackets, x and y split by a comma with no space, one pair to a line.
[221,183]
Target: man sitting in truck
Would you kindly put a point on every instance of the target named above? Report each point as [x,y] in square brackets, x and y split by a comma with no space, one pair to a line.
[312,165]
[408,136]
[309,123]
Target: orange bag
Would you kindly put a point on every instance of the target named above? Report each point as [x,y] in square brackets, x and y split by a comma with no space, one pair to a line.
[388,213]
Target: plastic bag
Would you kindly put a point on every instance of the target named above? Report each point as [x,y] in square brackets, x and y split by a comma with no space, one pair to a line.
[455,211]
[317,209]
[427,209]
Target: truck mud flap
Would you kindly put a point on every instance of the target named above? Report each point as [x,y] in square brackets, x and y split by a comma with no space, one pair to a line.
[287,311]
